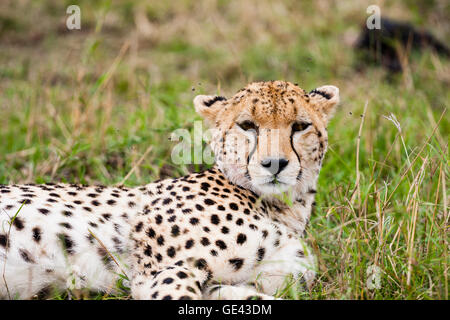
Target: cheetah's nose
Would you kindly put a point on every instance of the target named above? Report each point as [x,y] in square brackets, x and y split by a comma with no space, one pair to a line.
[275,166]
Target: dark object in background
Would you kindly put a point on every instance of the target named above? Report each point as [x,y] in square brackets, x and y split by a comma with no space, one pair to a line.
[379,46]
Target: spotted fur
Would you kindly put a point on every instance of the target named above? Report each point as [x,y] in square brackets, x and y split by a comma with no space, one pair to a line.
[220,234]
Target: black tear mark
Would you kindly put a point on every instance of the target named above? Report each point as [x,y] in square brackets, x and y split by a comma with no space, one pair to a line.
[322,93]
[214,100]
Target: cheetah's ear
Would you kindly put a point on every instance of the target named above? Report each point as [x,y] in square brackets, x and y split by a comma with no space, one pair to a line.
[207,106]
[325,99]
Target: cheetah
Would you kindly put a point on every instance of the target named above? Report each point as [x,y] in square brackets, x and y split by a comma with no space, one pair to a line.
[234,231]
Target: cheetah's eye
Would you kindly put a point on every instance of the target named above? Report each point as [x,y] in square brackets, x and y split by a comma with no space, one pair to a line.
[247,125]
[300,126]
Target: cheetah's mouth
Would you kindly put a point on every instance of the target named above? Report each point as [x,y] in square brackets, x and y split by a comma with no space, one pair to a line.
[273,185]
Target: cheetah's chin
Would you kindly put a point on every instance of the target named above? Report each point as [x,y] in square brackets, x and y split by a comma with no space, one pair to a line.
[272,188]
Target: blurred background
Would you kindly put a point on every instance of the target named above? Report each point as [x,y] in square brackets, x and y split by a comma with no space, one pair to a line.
[88,105]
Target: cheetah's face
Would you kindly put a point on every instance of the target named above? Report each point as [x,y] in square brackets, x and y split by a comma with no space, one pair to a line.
[270,136]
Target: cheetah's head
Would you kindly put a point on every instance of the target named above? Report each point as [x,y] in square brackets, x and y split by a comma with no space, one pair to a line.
[270,137]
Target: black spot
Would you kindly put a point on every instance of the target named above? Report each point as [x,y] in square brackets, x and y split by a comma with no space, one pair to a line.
[148,251]
[221,207]
[175,231]
[139,226]
[171,252]
[205,241]
[107,216]
[168,297]
[182,275]
[234,206]
[95,203]
[3,240]
[189,244]
[205,186]
[158,219]
[239,222]
[28,195]
[221,244]
[215,219]
[209,202]
[261,253]
[160,240]
[65,225]
[265,233]
[166,201]
[241,238]
[236,263]
[26,256]
[225,230]
[67,243]
[18,223]
[151,233]
[201,264]
[193,221]
[111,202]
[66,213]
[199,207]
[229,217]
[167,280]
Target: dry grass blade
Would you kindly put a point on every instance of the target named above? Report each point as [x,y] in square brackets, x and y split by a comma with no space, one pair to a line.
[109,253]
[138,163]
[357,190]
[415,159]
[414,207]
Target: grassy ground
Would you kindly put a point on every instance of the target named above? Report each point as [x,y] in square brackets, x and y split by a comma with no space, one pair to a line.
[84,106]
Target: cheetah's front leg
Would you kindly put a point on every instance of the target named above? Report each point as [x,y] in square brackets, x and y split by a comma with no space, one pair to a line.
[294,259]
[170,283]
[234,292]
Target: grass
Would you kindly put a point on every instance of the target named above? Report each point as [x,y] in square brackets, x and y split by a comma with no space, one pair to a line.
[85,106]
